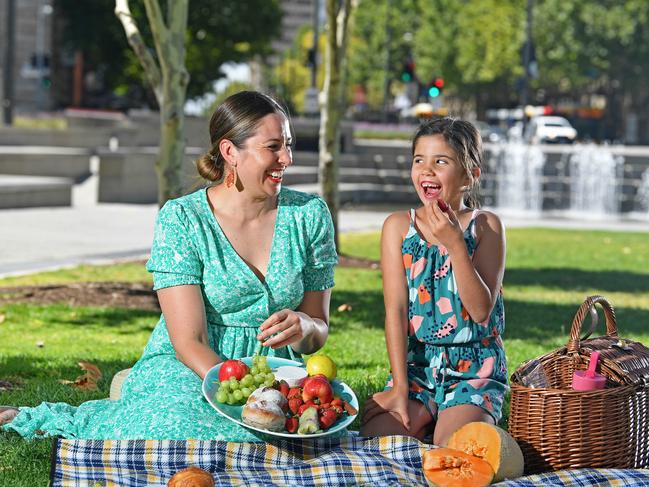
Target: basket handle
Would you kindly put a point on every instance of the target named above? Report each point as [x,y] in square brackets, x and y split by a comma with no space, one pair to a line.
[609,313]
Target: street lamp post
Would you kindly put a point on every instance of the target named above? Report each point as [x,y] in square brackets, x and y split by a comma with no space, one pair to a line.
[311,106]
[8,71]
[527,59]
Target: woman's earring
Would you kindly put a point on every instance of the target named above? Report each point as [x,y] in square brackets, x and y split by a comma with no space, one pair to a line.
[229,179]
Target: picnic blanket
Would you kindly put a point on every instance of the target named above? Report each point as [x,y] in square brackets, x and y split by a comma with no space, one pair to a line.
[386,461]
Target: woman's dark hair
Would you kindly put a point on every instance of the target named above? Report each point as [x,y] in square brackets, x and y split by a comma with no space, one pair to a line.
[465,140]
[235,119]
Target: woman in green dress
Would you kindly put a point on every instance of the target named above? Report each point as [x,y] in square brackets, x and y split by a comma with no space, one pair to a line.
[236,265]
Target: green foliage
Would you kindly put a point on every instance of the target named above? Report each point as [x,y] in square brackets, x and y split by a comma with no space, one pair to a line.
[582,43]
[218,32]
[292,75]
[381,29]
[470,44]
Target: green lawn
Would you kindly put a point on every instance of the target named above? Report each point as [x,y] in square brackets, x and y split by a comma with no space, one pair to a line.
[549,273]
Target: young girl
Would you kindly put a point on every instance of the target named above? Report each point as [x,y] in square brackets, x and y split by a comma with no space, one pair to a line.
[443,267]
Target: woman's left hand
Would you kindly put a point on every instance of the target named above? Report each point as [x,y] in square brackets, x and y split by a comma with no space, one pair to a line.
[284,328]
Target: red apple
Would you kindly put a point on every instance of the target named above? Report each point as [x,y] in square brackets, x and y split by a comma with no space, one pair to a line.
[232,368]
[317,387]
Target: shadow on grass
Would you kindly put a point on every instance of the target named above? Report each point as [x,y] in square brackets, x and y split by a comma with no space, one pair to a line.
[38,380]
[542,322]
[103,318]
[578,279]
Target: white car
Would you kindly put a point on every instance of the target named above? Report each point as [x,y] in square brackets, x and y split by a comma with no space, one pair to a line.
[550,130]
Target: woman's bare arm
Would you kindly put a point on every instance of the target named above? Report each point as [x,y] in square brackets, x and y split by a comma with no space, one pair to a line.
[184,313]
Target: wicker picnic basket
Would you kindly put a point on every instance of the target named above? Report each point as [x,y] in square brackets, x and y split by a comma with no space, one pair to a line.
[559,428]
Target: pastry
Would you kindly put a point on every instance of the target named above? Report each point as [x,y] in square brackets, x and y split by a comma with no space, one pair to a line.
[264,415]
[265,409]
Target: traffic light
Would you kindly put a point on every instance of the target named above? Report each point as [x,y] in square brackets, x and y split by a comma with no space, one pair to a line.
[408,72]
[435,88]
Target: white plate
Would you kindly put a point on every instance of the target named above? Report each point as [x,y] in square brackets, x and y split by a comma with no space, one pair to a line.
[233,413]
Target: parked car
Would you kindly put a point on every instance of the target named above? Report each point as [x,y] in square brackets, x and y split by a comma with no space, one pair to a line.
[549,130]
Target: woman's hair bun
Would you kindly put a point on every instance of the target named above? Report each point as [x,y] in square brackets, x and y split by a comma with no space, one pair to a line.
[210,167]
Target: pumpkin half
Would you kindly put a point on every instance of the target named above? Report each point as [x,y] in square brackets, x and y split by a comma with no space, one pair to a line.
[494,445]
[445,467]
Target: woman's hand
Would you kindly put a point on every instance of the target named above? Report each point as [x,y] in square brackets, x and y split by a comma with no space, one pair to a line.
[393,401]
[444,224]
[284,328]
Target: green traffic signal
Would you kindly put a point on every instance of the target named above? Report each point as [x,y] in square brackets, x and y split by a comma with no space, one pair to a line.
[406,77]
[433,91]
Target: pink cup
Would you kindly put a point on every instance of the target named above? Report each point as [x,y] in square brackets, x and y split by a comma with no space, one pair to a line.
[589,380]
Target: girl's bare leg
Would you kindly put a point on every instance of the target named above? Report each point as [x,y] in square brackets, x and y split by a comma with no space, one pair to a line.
[451,419]
[387,423]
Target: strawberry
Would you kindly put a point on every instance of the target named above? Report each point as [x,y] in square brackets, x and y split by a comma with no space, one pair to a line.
[291,424]
[325,405]
[339,410]
[294,392]
[442,205]
[327,418]
[294,404]
[337,402]
[283,388]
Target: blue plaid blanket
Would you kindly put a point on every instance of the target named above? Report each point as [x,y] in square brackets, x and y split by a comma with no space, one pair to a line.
[387,461]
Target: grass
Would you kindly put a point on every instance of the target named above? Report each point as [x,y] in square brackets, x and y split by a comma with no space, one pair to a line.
[549,273]
[40,123]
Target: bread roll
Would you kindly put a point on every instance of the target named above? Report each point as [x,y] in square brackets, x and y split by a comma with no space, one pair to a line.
[264,414]
[191,477]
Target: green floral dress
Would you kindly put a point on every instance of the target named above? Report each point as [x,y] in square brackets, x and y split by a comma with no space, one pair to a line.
[161,398]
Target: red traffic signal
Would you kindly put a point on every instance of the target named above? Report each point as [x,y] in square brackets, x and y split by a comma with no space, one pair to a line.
[438,83]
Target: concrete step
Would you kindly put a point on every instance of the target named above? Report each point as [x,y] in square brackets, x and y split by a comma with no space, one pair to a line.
[68,162]
[34,191]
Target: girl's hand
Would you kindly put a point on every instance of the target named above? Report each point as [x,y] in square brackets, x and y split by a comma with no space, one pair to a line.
[284,327]
[444,224]
[392,401]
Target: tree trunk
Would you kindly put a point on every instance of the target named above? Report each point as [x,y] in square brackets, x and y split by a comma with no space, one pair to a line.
[169,78]
[332,105]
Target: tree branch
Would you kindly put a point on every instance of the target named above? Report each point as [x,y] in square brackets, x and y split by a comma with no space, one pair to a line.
[159,31]
[151,68]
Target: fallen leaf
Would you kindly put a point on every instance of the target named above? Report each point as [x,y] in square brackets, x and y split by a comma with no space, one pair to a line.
[344,307]
[86,381]
[91,369]
[2,318]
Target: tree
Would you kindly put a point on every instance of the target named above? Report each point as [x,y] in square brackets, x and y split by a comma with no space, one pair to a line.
[332,103]
[474,45]
[381,37]
[168,77]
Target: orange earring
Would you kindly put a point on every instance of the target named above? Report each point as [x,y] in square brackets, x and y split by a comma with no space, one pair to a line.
[229,179]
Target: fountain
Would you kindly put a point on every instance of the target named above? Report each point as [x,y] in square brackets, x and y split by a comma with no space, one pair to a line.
[518,170]
[595,180]
[643,193]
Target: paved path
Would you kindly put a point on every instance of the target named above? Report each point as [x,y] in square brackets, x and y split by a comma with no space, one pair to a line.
[40,239]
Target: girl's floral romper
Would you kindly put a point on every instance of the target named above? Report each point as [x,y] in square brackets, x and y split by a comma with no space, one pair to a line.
[452,360]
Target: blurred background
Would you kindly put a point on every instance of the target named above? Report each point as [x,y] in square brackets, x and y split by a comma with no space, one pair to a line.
[556,87]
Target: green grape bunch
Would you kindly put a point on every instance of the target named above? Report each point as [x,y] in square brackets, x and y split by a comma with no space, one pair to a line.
[236,392]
